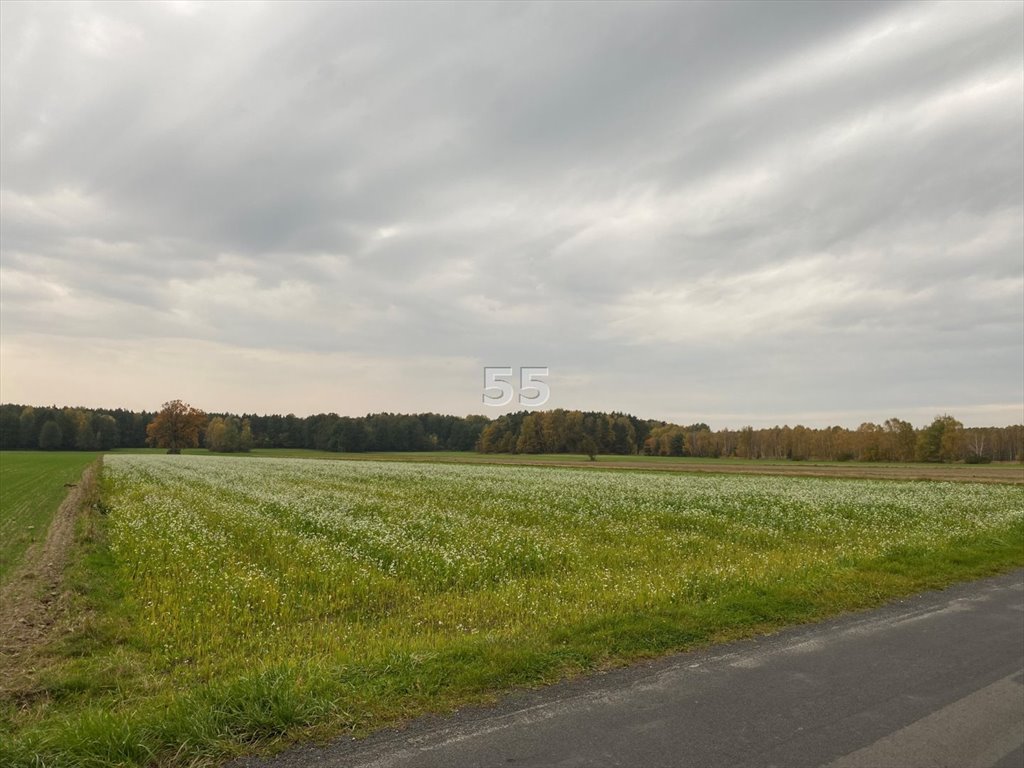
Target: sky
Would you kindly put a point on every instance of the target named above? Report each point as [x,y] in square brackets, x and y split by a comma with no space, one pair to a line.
[744,213]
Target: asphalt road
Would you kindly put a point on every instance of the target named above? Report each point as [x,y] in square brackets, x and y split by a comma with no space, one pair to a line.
[934,680]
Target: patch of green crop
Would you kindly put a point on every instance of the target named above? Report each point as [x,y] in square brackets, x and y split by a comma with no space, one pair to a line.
[32,486]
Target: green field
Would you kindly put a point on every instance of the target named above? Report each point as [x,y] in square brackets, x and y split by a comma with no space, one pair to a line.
[31,490]
[237,604]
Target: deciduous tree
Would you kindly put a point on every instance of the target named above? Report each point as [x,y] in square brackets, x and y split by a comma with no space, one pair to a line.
[177,426]
[214,439]
[530,437]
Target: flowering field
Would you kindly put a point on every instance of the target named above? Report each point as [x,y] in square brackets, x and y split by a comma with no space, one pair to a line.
[347,594]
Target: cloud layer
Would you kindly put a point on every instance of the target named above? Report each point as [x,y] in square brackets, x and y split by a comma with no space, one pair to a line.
[738,213]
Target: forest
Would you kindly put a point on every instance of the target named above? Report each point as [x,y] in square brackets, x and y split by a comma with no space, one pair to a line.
[945,439]
[26,427]
[561,431]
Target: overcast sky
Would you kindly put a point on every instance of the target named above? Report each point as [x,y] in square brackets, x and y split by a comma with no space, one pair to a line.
[734,213]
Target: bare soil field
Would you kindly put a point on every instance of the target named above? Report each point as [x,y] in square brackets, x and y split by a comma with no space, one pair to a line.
[962,473]
[982,473]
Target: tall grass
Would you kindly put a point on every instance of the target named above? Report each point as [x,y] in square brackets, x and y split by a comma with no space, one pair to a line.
[270,598]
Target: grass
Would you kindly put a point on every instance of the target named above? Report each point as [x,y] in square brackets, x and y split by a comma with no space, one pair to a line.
[32,486]
[234,604]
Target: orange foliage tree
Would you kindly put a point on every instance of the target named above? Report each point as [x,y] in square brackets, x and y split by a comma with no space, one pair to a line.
[177,426]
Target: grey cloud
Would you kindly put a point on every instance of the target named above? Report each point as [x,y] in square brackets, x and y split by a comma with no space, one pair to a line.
[734,207]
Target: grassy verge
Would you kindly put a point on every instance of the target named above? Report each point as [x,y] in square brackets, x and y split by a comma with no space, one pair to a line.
[164,668]
[32,486]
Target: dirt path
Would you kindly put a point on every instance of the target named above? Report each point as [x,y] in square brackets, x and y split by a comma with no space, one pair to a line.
[957,473]
[34,601]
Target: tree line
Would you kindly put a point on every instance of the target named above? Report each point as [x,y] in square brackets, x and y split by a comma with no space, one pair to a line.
[556,431]
[52,428]
[26,427]
[560,431]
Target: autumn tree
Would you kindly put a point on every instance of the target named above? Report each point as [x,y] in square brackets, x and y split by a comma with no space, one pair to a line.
[901,440]
[227,435]
[745,443]
[869,442]
[952,445]
[85,437]
[177,426]
[530,436]
[555,431]
[245,436]
[214,438]
[942,440]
